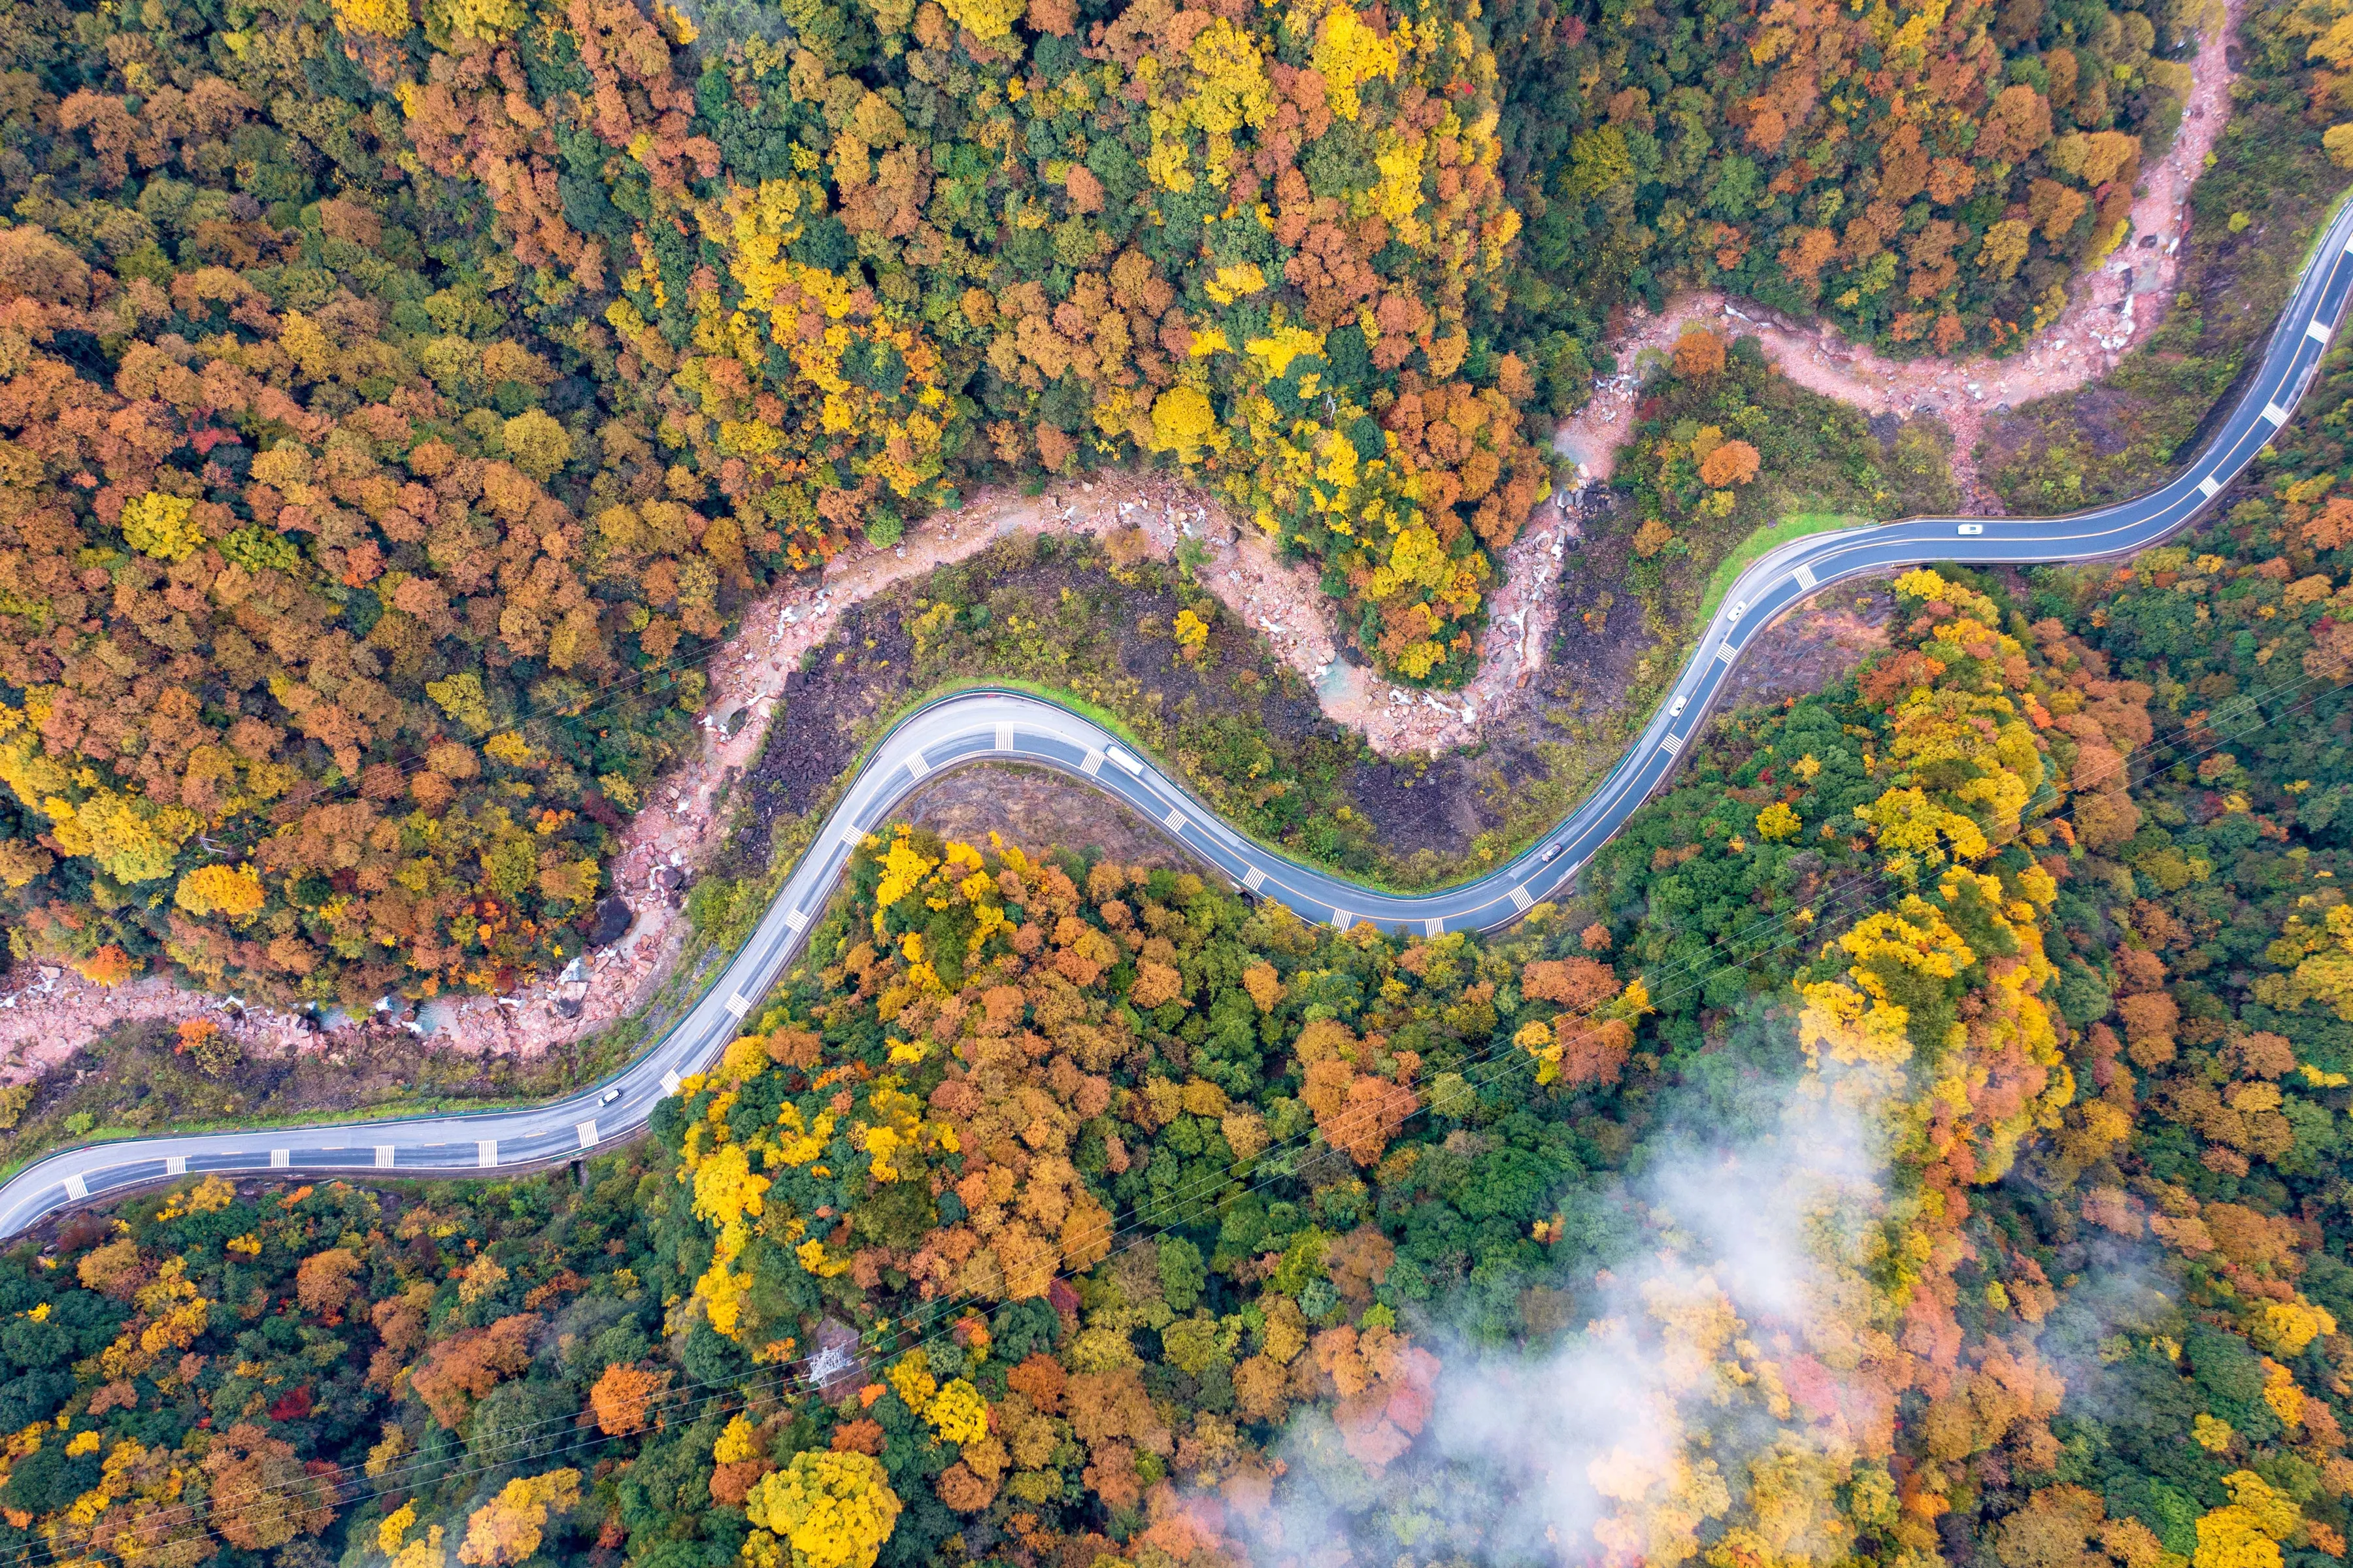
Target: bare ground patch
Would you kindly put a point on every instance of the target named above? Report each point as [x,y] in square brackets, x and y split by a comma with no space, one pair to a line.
[1814,644]
[1033,807]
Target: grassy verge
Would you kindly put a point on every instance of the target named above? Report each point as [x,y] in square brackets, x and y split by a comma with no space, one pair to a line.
[2320,226]
[1577,766]
[793,835]
[1763,543]
[1090,624]
[1731,458]
[1686,531]
[1382,878]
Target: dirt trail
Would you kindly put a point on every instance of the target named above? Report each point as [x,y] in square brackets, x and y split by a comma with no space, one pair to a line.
[2109,311]
[56,1015]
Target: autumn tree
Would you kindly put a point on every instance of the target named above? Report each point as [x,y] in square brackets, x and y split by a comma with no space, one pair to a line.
[260,1496]
[622,1398]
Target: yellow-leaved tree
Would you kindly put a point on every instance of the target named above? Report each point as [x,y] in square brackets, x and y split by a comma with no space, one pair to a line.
[232,890]
[508,1528]
[824,1510]
[2246,1533]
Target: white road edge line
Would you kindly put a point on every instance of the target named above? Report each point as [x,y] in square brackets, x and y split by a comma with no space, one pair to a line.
[2103,531]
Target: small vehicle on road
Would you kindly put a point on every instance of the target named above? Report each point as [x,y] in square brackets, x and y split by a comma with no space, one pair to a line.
[1551,853]
[1972,530]
[1739,609]
[609,1096]
[1681,702]
[1124,761]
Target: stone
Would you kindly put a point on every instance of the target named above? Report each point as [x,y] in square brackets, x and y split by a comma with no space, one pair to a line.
[610,921]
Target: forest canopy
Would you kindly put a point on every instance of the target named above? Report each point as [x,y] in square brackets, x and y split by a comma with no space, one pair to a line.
[1114,1217]
[397,400]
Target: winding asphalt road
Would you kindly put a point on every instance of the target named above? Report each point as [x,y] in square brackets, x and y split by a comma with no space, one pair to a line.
[1011,726]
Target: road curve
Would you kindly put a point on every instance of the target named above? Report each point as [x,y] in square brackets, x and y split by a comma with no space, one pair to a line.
[1014,727]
